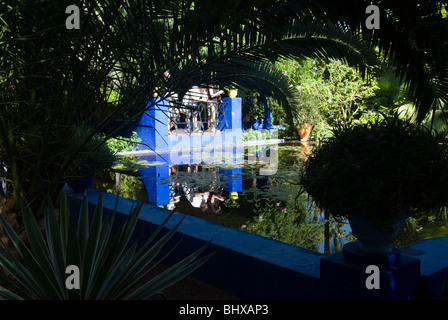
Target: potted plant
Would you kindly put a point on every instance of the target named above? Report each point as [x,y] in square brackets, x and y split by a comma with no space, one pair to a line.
[94,157]
[376,175]
[310,119]
[304,131]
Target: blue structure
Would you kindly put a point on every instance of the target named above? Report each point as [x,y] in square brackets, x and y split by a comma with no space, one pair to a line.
[177,147]
[254,267]
[260,124]
[158,138]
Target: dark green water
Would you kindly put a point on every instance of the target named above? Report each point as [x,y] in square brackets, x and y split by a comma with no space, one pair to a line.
[266,199]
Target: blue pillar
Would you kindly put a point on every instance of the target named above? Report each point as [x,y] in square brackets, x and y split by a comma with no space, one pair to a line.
[232,177]
[152,126]
[267,113]
[232,114]
[233,134]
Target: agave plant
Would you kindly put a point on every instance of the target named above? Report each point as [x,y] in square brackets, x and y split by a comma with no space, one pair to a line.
[109,268]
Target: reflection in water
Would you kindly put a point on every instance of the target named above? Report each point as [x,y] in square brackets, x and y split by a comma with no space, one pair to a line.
[305,151]
[200,186]
[236,186]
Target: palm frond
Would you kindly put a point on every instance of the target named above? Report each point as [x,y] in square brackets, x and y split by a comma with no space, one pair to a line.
[411,40]
[328,42]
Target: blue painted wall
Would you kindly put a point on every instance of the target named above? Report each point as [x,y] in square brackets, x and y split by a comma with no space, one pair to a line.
[182,148]
[152,126]
[244,264]
[255,267]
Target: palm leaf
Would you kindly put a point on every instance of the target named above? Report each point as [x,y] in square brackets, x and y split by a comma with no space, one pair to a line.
[411,40]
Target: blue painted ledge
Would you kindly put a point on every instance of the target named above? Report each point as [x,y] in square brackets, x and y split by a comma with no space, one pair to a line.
[433,257]
[255,267]
[244,264]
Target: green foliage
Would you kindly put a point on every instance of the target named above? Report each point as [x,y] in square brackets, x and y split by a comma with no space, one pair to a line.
[252,135]
[427,225]
[390,92]
[330,93]
[94,156]
[53,80]
[435,121]
[109,268]
[119,144]
[231,203]
[290,223]
[252,107]
[381,169]
[344,95]
[411,39]
[131,187]
[307,105]
[125,185]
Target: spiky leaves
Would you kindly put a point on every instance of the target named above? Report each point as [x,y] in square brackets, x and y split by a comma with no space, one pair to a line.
[110,268]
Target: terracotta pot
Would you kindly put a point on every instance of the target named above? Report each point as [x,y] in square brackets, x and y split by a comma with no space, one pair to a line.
[304,131]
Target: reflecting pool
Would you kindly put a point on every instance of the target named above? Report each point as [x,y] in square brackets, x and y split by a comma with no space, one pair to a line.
[253,187]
